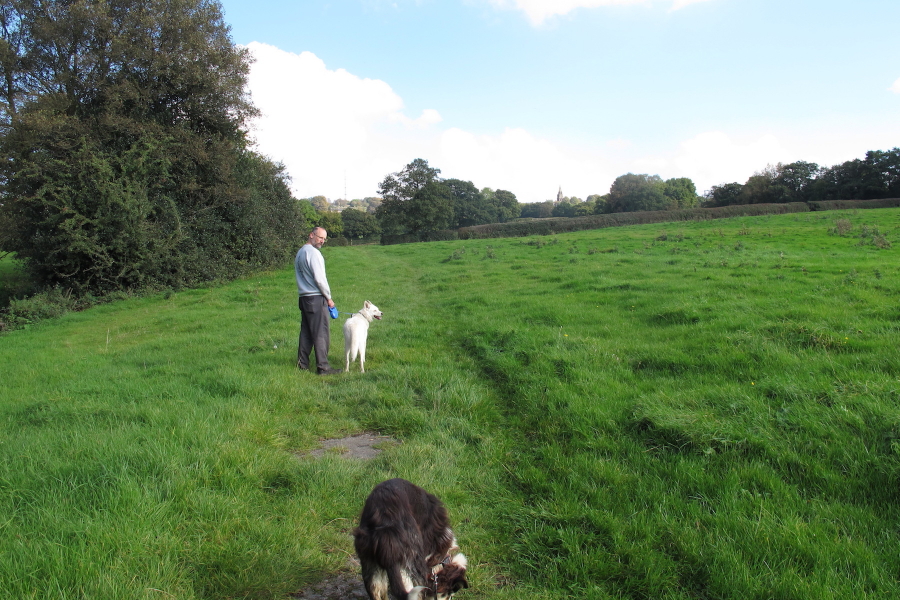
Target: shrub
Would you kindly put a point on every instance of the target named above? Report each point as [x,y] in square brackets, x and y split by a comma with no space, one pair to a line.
[423,236]
[339,241]
[881,242]
[841,227]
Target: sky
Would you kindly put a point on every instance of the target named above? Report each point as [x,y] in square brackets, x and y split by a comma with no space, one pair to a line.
[533,96]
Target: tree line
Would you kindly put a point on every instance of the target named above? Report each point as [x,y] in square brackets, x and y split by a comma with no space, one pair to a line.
[416,199]
[875,177]
[124,156]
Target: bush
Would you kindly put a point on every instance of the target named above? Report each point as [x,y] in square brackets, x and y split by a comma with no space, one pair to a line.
[338,241]
[850,204]
[841,227]
[424,236]
[46,305]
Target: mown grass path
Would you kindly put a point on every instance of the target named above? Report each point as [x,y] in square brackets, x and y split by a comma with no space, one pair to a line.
[697,410]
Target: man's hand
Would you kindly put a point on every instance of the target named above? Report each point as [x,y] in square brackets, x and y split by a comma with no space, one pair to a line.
[330,303]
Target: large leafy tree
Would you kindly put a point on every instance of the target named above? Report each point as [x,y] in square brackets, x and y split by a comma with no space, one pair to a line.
[415,200]
[631,192]
[796,179]
[681,192]
[725,194]
[505,206]
[403,185]
[470,206]
[124,152]
[359,224]
[431,209]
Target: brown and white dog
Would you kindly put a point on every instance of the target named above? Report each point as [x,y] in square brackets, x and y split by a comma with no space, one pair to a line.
[405,545]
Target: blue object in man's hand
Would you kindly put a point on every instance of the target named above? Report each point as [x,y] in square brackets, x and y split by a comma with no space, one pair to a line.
[334,312]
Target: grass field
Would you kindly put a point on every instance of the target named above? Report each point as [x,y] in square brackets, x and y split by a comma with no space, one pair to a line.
[695,410]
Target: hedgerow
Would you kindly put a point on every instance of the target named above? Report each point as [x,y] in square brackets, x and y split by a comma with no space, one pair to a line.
[562,225]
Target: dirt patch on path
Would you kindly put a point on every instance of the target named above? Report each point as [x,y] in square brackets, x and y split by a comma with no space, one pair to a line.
[363,446]
[343,586]
[346,585]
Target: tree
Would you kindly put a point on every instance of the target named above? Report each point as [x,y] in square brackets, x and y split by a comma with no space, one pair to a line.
[762,187]
[598,203]
[631,192]
[797,179]
[402,186]
[886,163]
[372,204]
[320,203]
[505,205]
[431,209]
[333,222]
[309,213]
[563,209]
[681,192]
[537,210]
[585,208]
[359,224]
[124,152]
[415,200]
[726,194]
[469,204]
[877,176]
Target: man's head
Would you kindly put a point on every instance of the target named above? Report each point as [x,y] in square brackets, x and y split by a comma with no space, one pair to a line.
[317,237]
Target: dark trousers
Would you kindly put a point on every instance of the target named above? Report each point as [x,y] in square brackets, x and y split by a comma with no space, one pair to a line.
[314,332]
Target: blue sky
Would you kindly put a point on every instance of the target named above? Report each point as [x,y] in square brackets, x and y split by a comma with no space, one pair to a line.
[533,95]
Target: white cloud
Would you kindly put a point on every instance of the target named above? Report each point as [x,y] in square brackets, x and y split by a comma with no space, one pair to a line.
[531,168]
[679,4]
[713,158]
[896,87]
[539,11]
[429,117]
[336,131]
[329,127]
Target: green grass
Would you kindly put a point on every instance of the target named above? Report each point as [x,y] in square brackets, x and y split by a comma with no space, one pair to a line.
[696,410]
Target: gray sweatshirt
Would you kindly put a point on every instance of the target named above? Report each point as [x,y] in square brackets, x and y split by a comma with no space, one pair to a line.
[309,267]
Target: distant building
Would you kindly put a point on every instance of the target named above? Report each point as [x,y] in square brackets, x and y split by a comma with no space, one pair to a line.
[559,195]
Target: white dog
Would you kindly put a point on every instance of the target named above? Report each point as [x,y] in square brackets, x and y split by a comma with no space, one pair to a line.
[356,331]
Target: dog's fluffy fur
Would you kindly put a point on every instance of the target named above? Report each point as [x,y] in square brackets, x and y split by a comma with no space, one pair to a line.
[356,331]
[405,545]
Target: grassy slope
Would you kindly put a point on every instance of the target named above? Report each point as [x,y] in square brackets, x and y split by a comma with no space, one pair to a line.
[712,414]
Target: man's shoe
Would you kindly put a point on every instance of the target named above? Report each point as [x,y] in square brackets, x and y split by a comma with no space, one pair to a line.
[329,371]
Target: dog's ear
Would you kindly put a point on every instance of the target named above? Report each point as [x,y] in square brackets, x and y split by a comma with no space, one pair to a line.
[459,584]
[367,304]
[453,578]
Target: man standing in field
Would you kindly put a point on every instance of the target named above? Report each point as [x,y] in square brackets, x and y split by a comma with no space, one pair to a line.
[315,300]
